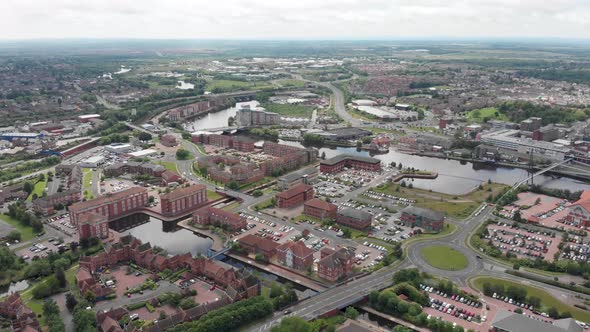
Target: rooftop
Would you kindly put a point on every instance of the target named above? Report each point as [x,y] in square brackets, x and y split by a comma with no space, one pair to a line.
[356,214]
[181,192]
[108,198]
[418,211]
[342,157]
[300,188]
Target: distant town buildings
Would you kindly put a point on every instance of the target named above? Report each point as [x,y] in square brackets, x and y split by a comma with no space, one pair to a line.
[239,143]
[247,116]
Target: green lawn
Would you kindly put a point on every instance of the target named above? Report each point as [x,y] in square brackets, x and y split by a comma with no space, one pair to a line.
[491,113]
[169,165]
[296,111]
[547,300]
[290,83]
[212,195]
[229,85]
[87,178]
[26,232]
[456,206]
[448,229]
[39,189]
[388,131]
[444,258]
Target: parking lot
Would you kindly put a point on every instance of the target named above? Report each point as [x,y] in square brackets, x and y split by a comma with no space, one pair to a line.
[367,254]
[457,309]
[523,242]
[122,280]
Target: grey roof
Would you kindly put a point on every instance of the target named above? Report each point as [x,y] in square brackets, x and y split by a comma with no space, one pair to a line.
[426,213]
[341,157]
[356,214]
[513,322]
[297,175]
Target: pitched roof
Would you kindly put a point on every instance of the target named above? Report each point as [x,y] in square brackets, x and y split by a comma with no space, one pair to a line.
[319,204]
[108,198]
[259,242]
[182,192]
[298,189]
[426,213]
[337,259]
[343,157]
[513,322]
[356,214]
[584,200]
[298,248]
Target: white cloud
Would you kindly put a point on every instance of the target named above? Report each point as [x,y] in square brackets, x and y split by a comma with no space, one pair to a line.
[302,19]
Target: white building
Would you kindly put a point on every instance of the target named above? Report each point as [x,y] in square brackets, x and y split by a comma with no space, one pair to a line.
[119,148]
[92,162]
[143,153]
[508,139]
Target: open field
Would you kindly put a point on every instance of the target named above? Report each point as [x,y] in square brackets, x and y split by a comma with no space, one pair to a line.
[445,258]
[547,300]
[288,83]
[26,232]
[169,165]
[39,189]
[456,206]
[296,111]
[490,113]
[227,85]
[212,195]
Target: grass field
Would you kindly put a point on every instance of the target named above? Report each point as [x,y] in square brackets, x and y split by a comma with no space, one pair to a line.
[212,195]
[87,178]
[547,300]
[297,111]
[39,189]
[290,83]
[169,165]
[445,258]
[456,206]
[490,113]
[228,85]
[26,232]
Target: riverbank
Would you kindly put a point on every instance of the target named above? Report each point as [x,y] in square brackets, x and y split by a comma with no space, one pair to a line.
[218,242]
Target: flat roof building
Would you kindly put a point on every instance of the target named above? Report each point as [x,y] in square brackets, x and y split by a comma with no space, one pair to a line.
[354,218]
[338,163]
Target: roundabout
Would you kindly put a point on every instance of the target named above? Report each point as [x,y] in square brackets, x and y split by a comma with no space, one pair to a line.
[444,258]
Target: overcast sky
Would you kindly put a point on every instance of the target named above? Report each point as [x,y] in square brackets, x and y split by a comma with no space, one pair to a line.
[293,19]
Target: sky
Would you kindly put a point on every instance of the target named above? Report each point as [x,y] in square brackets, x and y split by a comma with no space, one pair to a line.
[294,19]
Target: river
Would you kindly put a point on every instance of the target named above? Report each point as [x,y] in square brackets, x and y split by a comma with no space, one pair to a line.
[455,177]
[217,119]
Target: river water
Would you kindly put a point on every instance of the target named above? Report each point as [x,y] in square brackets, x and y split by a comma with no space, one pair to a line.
[217,119]
[455,177]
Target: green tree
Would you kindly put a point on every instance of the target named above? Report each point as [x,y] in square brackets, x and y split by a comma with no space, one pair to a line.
[291,324]
[351,312]
[182,154]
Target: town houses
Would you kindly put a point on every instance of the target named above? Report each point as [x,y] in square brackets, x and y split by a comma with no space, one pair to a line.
[21,317]
[238,284]
[220,218]
[295,255]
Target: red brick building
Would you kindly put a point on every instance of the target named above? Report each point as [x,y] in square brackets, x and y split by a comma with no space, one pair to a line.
[295,255]
[240,143]
[295,196]
[579,212]
[111,206]
[320,209]
[258,245]
[338,163]
[237,283]
[92,224]
[335,264]
[21,317]
[169,140]
[218,217]
[429,220]
[169,177]
[183,200]
[45,205]
[354,218]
